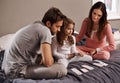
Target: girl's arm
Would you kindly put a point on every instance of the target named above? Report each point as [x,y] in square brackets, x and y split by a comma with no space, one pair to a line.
[74,50]
[55,47]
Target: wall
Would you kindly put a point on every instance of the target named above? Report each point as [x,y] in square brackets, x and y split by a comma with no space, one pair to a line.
[15,14]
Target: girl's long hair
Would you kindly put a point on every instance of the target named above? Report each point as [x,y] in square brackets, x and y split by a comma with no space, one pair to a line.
[103,21]
[61,34]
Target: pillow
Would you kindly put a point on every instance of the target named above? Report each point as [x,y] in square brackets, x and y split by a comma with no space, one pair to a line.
[116,35]
[5,40]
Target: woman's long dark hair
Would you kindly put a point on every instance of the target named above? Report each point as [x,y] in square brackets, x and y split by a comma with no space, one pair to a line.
[102,22]
[61,34]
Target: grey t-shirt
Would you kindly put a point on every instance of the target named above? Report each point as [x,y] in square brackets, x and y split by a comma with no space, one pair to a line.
[24,46]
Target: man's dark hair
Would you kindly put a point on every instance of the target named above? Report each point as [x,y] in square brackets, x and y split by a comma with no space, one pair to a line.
[53,15]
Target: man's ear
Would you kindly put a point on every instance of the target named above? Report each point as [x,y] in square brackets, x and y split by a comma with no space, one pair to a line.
[48,24]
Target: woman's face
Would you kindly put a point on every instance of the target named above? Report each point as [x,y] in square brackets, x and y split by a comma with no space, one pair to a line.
[69,30]
[96,15]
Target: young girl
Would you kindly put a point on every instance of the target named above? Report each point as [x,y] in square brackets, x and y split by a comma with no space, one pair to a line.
[64,45]
[98,32]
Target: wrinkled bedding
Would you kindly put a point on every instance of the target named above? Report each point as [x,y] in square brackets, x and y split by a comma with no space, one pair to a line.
[97,71]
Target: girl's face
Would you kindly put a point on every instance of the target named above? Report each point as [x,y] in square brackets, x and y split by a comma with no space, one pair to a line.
[96,15]
[69,30]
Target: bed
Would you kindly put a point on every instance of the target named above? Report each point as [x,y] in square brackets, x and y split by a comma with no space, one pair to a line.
[96,71]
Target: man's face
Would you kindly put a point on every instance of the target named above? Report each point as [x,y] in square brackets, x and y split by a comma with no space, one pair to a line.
[56,27]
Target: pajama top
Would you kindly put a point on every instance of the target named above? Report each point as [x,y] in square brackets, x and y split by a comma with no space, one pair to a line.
[106,43]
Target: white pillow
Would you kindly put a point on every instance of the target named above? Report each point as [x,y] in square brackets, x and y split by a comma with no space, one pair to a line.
[5,40]
[116,35]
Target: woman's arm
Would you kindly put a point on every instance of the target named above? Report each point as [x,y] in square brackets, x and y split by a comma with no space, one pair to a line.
[82,31]
[110,39]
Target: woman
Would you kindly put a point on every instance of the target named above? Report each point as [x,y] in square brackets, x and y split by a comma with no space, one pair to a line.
[98,33]
[63,45]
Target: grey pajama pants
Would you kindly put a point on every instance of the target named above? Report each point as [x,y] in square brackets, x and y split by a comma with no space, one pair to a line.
[57,70]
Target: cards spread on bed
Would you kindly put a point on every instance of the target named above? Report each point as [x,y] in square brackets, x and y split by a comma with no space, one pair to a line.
[100,63]
[84,70]
[76,71]
[88,67]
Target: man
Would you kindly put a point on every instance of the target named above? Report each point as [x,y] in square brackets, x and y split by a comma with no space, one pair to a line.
[18,60]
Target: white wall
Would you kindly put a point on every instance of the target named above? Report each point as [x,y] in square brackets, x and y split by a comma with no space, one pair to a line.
[14,14]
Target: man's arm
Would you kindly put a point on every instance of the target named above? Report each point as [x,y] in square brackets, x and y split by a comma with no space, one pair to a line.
[47,54]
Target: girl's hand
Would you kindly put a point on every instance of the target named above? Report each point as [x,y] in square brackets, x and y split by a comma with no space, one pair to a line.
[70,56]
[79,54]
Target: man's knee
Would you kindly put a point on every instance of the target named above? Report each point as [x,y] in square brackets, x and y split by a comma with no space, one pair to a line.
[62,71]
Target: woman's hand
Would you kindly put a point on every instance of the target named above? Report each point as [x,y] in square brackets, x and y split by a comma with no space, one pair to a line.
[93,52]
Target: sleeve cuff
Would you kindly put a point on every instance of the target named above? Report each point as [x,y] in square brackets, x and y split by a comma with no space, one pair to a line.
[98,49]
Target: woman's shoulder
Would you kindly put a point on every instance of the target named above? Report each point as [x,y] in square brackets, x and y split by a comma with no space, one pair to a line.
[86,20]
[107,26]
